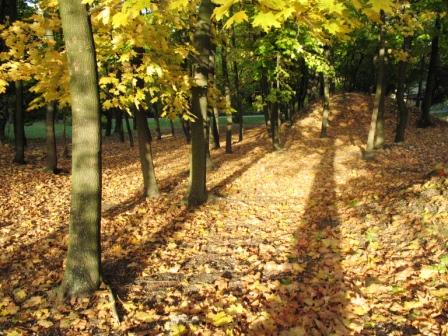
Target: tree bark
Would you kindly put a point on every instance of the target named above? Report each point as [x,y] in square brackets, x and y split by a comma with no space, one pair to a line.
[119,124]
[83,266]
[65,152]
[403,113]
[129,130]
[237,91]
[378,94]
[157,120]
[186,130]
[150,188]
[425,117]
[108,123]
[228,98]
[325,105]
[275,112]
[19,125]
[172,128]
[197,193]
[52,156]
[215,128]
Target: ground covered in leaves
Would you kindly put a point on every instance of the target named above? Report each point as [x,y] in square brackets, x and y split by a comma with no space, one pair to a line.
[310,240]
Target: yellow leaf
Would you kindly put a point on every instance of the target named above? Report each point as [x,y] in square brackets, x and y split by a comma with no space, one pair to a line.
[178,330]
[19,295]
[440,293]
[219,319]
[45,323]
[427,273]
[119,19]
[238,17]
[266,20]
[145,316]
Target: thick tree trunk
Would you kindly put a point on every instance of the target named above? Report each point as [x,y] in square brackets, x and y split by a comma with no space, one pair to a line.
[379,133]
[52,156]
[425,117]
[197,193]
[83,266]
[403,114]
[325,105]
[237,91]
[19,125]
[378,95]
[420,82]
[3,122]
[150,188]
[129,130]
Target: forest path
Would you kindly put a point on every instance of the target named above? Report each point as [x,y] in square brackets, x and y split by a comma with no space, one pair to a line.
[310,240]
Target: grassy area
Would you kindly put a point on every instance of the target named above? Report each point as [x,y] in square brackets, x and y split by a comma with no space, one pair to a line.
[36,130]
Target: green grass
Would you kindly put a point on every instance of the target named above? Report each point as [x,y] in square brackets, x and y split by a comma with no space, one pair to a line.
[36,130]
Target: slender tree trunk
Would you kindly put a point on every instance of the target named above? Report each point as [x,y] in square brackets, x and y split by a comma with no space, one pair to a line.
[215,128]
[325,105]
[172,128]
[186,129]
[83,266]
[119,124]
[3,122]
[108,122]
[275,113]
[65,152]
[237,92]
[19,125]
[52,156]
[420,82]
[379,133]
[150,188]
[129,130]
[157,120]
[197,193]
[403,114]
[229,121]
[379,93]
[264,94]
[425,117]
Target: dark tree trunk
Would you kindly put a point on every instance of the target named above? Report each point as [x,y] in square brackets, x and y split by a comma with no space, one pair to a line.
[378,95]
[197,193]
[215,128]
[52,156]
[425,117]
[172,128]
[157,120]
[108,122]
[150,188]
[129,130]
[83,266]
[186,129]
[403,114]
[275,113]
[264,94]
[19,125]
[3,122]
[119,125]
[420,82]
[65,152]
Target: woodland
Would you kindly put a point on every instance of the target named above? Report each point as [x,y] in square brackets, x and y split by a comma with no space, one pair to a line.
[224,167]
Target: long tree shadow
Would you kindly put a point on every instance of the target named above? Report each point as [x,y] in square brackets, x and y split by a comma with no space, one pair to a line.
[311,299]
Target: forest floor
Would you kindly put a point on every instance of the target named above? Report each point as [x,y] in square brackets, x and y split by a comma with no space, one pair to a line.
[309,240]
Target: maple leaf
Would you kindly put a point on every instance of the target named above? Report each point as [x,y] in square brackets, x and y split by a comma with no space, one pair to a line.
[266,20]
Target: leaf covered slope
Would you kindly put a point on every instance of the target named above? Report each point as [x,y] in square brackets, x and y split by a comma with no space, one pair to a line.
[310,240]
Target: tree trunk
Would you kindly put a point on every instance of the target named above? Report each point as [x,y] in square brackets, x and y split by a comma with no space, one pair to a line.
[275,113]
[19,125]
[119,125]
[420,82]
[3,122]
[186,129]
[108,122]
[172,128]
[378,95]
[229,121]
[129,130]
[215,128]
[403,114]
[197,193]
[379,133]
[52,156]
[264,94]
[425,117]
[325,105]
[150,188]
[65,152]
[237,91]
[157,120]
[83,266]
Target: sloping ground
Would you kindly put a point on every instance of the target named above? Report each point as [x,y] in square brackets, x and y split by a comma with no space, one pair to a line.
[310,240]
